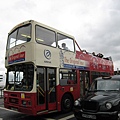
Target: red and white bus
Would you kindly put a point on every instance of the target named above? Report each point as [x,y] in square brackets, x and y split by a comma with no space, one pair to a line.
[47,70]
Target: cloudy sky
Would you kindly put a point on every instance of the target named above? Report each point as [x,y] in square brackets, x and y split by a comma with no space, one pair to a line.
[95,24]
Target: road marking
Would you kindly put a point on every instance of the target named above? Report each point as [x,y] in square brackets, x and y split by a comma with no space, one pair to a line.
[9,110]
[68,117]
[49,119]
[64,118]
[1,119]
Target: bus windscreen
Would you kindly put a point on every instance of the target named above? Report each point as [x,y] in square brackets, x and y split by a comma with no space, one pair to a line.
[20,77]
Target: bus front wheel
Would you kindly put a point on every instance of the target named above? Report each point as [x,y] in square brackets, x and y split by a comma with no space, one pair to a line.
[67,103]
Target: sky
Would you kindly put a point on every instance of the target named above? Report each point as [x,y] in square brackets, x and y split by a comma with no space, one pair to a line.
[95,24]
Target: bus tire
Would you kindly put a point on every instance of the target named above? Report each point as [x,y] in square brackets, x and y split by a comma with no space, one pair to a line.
[67,103]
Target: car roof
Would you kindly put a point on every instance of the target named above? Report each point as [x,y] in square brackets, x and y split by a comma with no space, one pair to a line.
[113,77]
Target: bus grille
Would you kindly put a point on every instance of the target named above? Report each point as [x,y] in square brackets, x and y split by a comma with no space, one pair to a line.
[90,106]
[14,100]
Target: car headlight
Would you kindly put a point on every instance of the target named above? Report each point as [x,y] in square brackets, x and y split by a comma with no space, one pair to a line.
[77,103]
[108,105]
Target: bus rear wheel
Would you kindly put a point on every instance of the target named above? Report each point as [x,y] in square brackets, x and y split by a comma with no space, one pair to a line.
[67,103]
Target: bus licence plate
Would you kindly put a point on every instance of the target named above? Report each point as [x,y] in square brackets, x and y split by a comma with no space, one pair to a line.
[89,116]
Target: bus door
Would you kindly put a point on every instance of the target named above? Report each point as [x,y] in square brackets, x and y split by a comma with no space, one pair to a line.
[46,88]
[84,81]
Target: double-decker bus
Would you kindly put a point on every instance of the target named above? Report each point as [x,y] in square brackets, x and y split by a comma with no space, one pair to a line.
[47,70]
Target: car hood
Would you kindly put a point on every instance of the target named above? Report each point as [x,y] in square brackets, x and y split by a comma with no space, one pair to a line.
[101,96]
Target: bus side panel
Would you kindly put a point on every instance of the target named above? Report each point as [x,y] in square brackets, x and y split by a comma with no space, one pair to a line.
[69,89]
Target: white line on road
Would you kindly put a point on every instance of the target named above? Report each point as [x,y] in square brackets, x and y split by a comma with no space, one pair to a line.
[1,119]
[68,117]
[64,118]
[49,119]
[9,110]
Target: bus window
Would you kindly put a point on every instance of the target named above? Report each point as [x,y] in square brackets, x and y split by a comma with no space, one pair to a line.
[10,83]
[45,36]
[94,75]
[84,81]
[19,36]
[20,77]
[65,42]
[40,86]
[12,39]
[52,84]
[67,77]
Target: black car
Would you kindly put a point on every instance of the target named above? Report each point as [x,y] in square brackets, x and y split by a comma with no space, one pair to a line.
[101,102]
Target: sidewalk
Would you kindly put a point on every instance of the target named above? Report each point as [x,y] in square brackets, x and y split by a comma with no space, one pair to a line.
[1,97]
[1,101]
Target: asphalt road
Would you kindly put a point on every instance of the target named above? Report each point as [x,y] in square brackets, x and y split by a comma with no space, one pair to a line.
[6,114]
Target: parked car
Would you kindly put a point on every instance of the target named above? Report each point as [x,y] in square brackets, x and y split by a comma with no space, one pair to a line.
[101,102]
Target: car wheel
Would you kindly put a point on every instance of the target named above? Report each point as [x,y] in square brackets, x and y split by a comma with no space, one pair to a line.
[67,103]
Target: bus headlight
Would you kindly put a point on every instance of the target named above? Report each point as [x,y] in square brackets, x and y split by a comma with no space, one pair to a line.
[24,102]
[108,105]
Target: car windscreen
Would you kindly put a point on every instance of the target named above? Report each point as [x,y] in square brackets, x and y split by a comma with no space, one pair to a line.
[106,85]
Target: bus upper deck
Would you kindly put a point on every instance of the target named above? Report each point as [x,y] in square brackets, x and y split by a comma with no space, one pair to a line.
[50,39]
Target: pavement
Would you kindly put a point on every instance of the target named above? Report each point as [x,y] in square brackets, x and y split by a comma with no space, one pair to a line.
[1,97]
[1,101]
